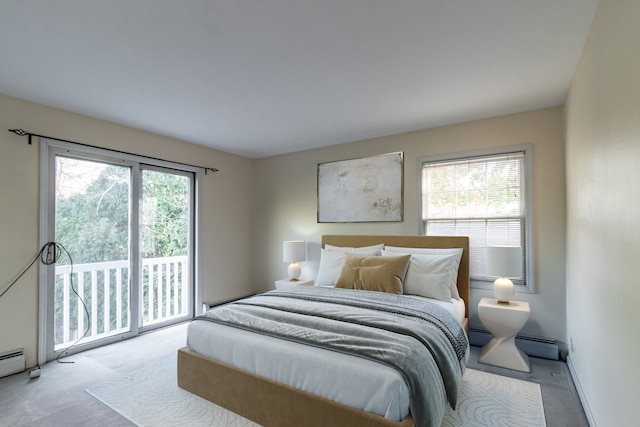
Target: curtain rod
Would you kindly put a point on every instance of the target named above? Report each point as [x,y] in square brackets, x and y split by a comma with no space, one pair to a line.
[21,132]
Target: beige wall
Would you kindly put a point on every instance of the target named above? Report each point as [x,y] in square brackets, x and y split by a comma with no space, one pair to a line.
[286,194]
[226,208]
[603,215]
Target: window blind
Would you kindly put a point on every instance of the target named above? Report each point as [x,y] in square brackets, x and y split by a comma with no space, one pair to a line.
[480,197]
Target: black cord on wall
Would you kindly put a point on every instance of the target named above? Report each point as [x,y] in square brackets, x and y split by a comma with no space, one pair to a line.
[49,254]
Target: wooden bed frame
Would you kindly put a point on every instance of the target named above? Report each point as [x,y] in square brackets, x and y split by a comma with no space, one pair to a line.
[270,403]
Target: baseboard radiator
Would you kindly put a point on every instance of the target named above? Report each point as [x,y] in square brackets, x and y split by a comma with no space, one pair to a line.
[532,346]
[12,362]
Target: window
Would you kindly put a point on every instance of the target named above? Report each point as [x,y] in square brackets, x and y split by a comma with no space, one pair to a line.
[483,196]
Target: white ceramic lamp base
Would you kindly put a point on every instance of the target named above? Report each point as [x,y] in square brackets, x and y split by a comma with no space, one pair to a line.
[294,271]
[503,290]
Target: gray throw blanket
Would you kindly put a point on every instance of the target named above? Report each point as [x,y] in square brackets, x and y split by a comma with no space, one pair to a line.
[417,338]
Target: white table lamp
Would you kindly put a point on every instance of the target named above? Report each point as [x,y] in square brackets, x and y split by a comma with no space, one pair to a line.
[504,262]
[293,251]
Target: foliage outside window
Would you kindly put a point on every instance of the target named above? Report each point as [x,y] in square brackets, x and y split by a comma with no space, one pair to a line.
[93,220]
[483,197]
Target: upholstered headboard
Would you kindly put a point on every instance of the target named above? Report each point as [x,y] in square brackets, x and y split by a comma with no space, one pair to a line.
[414,242]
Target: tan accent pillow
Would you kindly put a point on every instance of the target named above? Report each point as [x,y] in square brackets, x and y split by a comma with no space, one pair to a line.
[373,273]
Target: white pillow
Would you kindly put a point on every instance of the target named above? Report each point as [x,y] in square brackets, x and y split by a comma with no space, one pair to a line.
[331,264]
[453,288]
[432,251]
[358,250]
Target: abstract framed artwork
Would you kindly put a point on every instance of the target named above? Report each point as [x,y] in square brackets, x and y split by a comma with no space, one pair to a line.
[368,189]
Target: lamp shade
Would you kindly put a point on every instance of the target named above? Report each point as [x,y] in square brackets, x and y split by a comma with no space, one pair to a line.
[293,251]
[504,261]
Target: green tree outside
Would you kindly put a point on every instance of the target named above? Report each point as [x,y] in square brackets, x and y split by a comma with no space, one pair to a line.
[93,222]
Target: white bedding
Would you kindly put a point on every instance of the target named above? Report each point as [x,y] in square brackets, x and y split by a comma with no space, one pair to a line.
[361,383]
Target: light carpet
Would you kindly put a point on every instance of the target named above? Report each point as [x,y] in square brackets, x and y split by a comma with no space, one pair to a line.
[151,397]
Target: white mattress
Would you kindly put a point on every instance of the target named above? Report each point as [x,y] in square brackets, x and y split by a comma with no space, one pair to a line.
[356,382]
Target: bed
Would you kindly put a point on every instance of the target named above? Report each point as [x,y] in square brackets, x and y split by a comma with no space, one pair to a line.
[269,400]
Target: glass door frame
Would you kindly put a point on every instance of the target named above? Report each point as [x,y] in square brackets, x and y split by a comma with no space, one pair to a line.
[49,149]
[190,246]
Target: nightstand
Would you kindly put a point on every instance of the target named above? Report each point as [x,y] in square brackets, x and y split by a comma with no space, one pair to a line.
[504,321]
[288,284]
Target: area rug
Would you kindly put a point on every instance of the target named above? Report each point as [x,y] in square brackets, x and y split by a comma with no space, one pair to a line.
[151,397]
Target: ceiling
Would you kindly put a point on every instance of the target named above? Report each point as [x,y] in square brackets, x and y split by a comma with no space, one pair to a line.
[260,78]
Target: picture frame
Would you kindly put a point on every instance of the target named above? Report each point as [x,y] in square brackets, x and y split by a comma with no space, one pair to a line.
[367,189]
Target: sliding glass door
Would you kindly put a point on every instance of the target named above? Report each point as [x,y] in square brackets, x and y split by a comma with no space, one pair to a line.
[165,236]
[92,290]
[128,229]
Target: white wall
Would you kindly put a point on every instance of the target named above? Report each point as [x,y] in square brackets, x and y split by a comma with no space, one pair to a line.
[226,208]
[603,215]
[286,185]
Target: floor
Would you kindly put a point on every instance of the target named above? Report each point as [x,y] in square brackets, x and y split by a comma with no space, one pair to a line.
[562,407]
[58,397]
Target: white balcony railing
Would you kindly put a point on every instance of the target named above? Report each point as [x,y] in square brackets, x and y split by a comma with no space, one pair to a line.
[104,287]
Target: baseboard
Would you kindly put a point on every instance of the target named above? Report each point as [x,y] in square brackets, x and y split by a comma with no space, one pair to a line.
[12,362]
[532,346]
[581,395]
